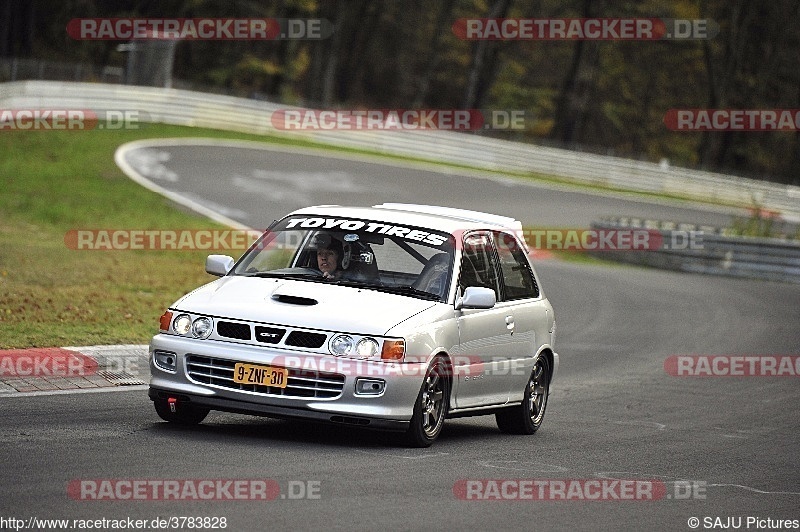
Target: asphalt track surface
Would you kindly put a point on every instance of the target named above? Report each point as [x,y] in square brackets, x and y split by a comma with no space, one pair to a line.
[614,412]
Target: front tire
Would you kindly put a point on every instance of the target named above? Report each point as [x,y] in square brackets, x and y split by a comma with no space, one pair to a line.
[430,408]
[184,414]
[527,417]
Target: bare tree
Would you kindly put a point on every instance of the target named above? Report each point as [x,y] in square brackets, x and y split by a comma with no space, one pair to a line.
[483,69]
[434,52]
[576,88]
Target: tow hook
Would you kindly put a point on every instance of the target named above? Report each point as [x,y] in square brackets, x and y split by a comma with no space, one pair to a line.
[172,402]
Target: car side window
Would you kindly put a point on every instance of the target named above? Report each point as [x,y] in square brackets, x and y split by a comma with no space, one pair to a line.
[517,275]
[476,264]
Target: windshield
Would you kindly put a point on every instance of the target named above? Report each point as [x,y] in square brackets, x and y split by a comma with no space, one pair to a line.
[377,255]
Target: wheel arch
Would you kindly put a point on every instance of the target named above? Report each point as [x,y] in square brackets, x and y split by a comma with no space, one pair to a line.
[449,361]
[552,359]
[449,374]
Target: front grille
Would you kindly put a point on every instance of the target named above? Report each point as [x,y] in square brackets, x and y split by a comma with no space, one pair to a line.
[229,329]
[270,335]
[306,339]
[301,383]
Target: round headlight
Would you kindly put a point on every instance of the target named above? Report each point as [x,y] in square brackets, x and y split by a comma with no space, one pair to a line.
[366,348]
[341,344]
[202,327]
[182,324]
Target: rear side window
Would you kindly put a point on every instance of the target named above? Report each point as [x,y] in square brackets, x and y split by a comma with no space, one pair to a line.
[477,266]
[515,269]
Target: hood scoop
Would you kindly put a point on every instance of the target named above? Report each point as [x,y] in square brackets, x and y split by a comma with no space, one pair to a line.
[294,300]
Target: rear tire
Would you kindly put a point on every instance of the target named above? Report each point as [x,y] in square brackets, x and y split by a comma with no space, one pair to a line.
[430,408]
[527,417]
[184,414]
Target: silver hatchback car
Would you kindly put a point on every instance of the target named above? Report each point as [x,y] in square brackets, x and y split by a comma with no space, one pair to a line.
[391,317]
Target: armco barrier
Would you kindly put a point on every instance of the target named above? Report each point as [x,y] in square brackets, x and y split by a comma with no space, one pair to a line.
[172,106]
[700,249]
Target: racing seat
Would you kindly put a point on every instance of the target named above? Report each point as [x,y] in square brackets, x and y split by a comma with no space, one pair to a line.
[433,277]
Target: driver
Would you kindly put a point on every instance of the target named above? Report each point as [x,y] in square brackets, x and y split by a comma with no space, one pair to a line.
[329,259]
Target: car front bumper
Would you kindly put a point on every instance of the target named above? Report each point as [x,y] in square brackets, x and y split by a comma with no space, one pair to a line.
[213,388]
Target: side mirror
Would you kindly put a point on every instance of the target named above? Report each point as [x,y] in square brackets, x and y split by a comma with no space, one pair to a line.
[219,265]
[476,297]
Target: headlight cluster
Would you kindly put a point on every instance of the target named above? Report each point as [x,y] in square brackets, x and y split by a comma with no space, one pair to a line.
[201,327]
[345,345]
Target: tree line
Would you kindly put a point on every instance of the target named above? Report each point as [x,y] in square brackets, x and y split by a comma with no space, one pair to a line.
[607,96]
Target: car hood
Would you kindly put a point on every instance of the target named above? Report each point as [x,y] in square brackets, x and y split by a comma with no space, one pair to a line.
[302,304]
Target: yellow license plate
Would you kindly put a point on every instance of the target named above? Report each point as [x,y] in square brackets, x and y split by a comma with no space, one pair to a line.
[260,375]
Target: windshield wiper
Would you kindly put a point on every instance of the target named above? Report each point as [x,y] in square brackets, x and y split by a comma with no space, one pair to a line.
[409,290]
[286,275]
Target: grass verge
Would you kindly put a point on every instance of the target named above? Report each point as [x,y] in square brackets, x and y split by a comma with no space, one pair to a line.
[50,295]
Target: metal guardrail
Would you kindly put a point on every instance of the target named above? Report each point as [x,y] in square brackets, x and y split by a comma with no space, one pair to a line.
[713,253]
[16,68]
[172,106]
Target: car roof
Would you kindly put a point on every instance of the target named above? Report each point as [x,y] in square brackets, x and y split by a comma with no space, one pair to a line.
[446,219]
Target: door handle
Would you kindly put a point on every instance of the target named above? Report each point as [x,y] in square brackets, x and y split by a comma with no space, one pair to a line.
[510,323]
